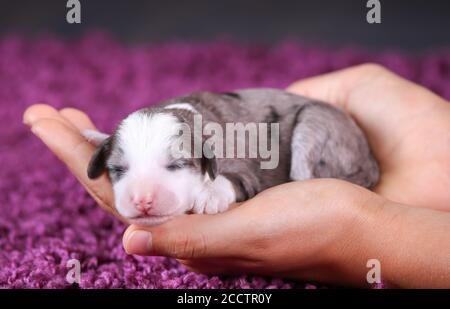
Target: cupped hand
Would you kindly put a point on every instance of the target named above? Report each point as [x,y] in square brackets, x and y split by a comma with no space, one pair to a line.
[255,238]
[60,132]
[297,230]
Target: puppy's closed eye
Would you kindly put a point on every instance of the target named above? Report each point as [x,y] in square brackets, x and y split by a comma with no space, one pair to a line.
[117,171]
[179,164]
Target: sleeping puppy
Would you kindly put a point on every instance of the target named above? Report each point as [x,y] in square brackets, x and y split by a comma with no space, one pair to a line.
[154,179]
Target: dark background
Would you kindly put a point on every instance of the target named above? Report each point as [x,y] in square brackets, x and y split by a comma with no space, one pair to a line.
[413,25]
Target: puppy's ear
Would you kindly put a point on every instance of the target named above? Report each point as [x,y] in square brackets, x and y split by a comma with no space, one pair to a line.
[209,162]
[97,165]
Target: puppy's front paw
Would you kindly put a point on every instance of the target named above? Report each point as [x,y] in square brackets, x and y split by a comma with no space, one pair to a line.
[208,203]
[215,198]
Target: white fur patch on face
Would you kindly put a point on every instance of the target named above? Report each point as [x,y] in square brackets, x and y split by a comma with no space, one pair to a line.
[145,140]
[150,192]
[185,106]
[146,137]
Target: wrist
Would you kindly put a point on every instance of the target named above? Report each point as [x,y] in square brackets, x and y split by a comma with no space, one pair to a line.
[409,245]
[348,257]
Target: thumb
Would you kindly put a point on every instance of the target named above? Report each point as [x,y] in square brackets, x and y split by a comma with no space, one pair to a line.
[335,87]
[186,237]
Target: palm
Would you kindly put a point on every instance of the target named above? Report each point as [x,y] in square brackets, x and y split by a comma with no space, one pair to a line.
[416,169]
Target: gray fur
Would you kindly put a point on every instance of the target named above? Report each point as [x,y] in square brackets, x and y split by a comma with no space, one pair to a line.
[317,140]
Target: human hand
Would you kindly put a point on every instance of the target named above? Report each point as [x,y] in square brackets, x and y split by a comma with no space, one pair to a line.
[327,230]
[408,128]
[215,244]
[223,243]
[60,132]
[323,230]
[300,230]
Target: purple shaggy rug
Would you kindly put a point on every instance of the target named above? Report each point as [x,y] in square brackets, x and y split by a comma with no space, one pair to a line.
[46,216]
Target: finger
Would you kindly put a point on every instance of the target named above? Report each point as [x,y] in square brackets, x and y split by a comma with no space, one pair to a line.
[190,236]
[71,148]
[321,87]
[79,119]
[38,112]
[335,87]
[203,268]
[368,91]
[229,266]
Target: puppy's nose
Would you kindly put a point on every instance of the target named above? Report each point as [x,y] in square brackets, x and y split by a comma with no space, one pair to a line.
[143,203]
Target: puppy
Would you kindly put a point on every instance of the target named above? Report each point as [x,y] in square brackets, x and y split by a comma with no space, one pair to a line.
[154,181]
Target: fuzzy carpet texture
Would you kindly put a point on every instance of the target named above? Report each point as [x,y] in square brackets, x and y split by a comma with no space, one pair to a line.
[47,218]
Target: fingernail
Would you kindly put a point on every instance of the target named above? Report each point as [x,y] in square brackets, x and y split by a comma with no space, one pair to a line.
[138,242]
